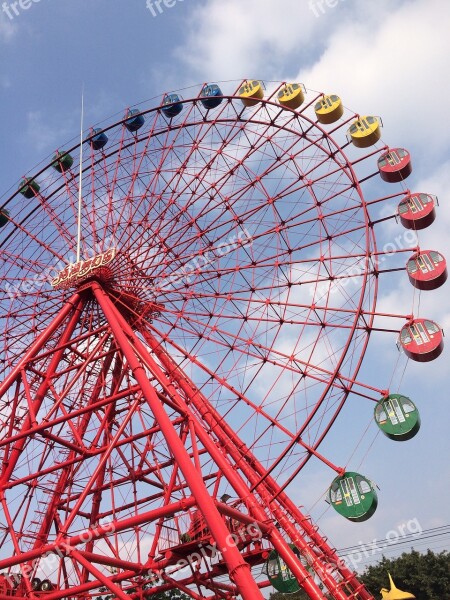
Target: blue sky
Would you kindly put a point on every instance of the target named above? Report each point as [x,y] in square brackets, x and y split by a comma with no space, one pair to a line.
[383,58]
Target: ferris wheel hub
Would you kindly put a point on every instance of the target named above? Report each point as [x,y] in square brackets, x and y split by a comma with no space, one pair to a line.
[76,273]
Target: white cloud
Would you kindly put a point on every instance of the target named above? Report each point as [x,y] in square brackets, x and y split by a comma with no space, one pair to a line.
[7,29]
[395,70]
[45,136]
[228,39]
[383,59]
[437,183]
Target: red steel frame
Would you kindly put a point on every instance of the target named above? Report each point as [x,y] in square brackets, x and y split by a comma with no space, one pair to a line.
[203,449]
[267,506]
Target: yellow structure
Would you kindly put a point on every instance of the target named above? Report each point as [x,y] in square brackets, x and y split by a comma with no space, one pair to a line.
[329,109]
[394,593]
[251,92]
[291,95]
[365,131]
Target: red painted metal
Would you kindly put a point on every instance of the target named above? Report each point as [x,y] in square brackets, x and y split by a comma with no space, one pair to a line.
[422,340]
[238,569]
[395,165]
[150,433]
[427,270]
[286,513]
[227,469]
[417,211]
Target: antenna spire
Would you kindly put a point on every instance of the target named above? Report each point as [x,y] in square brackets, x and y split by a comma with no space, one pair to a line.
[80,178]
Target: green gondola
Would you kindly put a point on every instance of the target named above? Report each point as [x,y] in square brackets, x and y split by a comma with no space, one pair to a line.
[353,496]
[62,161]
[397,417]
[4,217]
[279,574]
[29,188]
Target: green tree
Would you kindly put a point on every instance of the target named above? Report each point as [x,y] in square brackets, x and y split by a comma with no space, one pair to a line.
[427,576]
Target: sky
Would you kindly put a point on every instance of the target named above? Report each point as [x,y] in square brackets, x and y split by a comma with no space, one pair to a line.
[383,58]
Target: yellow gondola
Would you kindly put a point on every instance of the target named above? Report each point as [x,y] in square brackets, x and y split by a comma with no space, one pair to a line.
[365,131]
[251,92]
[394,593]
[291,95]
[329,109]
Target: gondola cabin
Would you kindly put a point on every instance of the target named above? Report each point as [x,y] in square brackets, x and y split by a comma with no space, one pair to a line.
[251,93]
[329,109]
[422,340]
[353,496]
[15,584]
[279,574]
[427,270]
[171,105]
[417,211]
[395,165]
[292,95]
[98,139]
[62,161]
[134,120]
[397,417]
[29,188]
[365,131]
[211,96]
[4,217]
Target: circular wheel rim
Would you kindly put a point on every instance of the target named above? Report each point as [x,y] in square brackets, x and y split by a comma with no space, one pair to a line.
[215,216]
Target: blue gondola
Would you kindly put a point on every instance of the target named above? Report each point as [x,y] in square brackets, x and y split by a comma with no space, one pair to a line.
[211,95]
[171,105]
[98,139]
[135,120]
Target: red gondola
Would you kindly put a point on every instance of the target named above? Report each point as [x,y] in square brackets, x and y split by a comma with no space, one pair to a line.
[417,211]
[427,270]
[395,165]
[422,340]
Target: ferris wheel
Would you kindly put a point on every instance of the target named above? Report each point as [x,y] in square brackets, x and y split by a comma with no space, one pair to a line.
[186,305]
